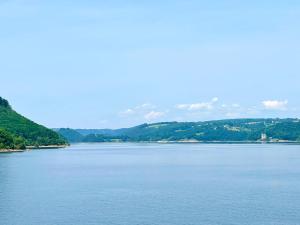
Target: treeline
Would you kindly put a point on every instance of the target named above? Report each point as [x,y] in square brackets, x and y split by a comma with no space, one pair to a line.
[74,136]
[221,130]
[10,141]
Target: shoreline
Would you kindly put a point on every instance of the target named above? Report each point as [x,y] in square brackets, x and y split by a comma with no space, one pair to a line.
[46,147]
[192,142]
[32,148]
[11,150]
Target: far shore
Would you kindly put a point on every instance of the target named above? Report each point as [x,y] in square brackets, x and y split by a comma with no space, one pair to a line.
[194,142]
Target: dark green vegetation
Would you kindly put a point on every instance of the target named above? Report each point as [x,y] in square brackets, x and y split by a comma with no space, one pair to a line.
[70,134]
[10,141]
[17,132]
[82,135]
[238,130]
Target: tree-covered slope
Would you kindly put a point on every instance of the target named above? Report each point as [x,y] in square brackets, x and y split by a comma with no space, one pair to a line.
[10,141]
[70,134]
[221,130]
[21,129]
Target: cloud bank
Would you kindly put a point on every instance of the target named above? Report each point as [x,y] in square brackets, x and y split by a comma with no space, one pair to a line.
[206,110]
[275,104]
[198,106]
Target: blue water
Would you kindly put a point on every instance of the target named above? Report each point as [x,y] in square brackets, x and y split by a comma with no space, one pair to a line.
[151,184]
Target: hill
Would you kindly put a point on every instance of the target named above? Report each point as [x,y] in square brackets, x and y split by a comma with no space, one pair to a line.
[70,134]
[235,130]
[17,131]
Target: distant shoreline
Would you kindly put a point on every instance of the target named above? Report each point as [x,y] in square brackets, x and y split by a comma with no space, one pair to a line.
[193,142]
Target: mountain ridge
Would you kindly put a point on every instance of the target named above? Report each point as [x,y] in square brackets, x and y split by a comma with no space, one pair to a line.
[229,130]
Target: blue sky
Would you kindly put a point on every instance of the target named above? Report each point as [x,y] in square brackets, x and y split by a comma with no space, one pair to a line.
[109,64]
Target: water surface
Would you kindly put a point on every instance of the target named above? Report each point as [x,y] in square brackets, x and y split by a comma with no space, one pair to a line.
[152,184]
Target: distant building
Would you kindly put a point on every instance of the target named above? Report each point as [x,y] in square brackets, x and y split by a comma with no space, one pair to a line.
[264,137]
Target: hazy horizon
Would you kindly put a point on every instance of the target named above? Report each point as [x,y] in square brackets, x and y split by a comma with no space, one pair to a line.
[98,64]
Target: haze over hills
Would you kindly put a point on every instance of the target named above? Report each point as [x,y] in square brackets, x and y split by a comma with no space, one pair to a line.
[234,130]
[17,132]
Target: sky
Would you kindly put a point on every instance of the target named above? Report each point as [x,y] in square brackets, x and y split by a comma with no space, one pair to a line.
[113,64]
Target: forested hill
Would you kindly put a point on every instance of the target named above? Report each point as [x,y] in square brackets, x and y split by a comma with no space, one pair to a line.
[17,132]
[276,130]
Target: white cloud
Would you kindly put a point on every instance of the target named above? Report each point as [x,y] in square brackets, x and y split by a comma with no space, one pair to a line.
[127,112]
[138,109]
[199,106]
[195,106]
[215,99]
[143,112]
[145,106]
[275,104]
[153,115]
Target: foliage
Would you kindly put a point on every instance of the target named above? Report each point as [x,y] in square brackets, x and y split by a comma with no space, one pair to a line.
[209,131]
[24,130]
[4,103]
[103,138]
[10,141]
[71,135]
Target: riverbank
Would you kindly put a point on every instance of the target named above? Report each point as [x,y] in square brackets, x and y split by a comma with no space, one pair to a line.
[11,150]
[32,148]
[46,147]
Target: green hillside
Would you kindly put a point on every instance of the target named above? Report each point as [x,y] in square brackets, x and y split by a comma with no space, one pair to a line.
[71,135]
[10,141]
[235,130]
[17,131]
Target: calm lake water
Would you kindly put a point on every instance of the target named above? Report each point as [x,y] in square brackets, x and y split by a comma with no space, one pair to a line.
[152,184]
